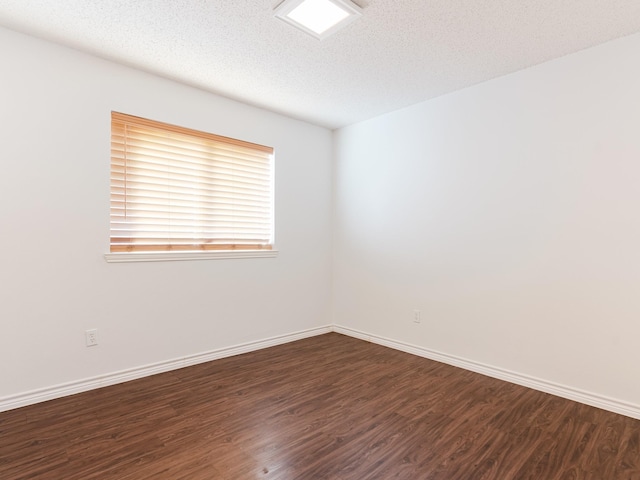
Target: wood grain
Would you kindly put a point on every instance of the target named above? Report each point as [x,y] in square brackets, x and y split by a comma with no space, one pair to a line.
[328,407]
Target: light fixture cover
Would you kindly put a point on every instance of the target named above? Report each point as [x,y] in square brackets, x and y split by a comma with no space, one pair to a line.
[318,18]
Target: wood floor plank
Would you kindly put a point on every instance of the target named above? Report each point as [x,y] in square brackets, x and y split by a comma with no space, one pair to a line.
[329,407]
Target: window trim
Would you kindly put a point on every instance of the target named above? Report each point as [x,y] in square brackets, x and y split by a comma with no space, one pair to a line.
[127,257]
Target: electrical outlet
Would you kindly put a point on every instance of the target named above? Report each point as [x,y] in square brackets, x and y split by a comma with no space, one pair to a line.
[91,337]
[416,316]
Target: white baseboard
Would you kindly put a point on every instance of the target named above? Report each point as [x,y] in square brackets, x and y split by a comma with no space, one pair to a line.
[71,388]
[588,398]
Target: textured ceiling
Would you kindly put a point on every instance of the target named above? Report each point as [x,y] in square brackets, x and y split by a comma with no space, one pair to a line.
[399,53]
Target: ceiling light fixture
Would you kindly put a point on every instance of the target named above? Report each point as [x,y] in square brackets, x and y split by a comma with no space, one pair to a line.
[318,18]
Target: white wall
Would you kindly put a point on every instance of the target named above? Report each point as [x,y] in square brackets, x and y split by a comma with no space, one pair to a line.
[508,213]
[55,106]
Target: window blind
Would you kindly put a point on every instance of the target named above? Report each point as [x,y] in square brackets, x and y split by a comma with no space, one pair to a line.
[176,189]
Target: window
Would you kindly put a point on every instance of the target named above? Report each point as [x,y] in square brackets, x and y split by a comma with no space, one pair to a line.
[180,190]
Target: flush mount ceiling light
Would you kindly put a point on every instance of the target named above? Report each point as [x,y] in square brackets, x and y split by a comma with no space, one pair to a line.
[318,18]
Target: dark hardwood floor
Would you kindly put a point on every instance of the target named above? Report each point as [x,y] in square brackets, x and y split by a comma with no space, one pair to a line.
[328,407]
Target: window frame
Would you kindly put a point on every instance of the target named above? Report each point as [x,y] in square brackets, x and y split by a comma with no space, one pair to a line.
[123,249]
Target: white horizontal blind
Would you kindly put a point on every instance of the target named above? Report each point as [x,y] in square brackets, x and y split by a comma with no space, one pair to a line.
[175,189]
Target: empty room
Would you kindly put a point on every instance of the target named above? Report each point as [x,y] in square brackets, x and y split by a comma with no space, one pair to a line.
[378,240]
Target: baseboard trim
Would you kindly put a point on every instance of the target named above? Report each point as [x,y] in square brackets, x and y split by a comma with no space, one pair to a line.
[71,388]
[588,398]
